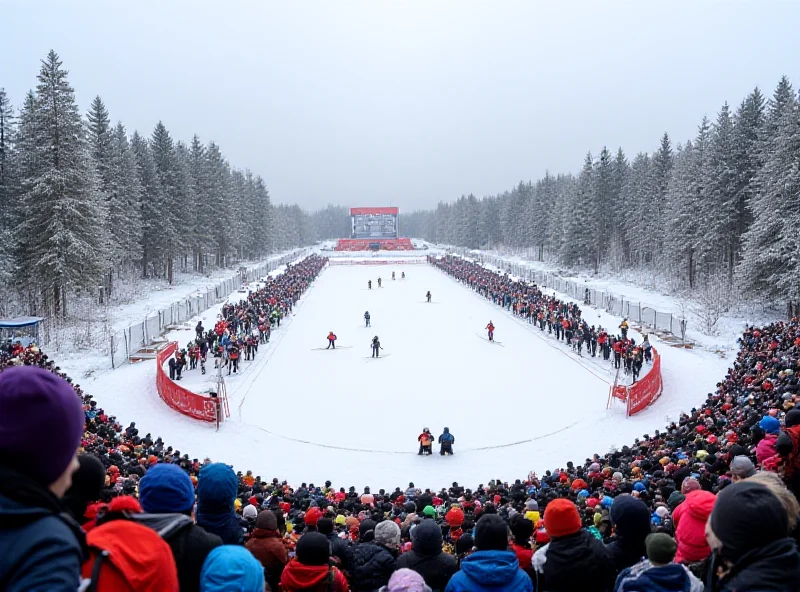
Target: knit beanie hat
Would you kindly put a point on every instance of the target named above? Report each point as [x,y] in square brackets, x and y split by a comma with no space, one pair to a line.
[41,423]
[312,516]
[454,517]
[522,529]
[742,467]
[217,488]
[491,533]
[340,520]
[313,548]
[267,520]
[406,580]
[661,548]
[532,505]
[250,512]
[366,531]
[769,424]
[232,567]
[675,499]
[87,485]
[166,488]
[464,544]
[689,484]
[561,518]
[429,512]
[746,516]
[387,533]
[792,418]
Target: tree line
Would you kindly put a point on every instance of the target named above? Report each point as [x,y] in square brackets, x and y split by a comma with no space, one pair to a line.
[84,203]
[720,209]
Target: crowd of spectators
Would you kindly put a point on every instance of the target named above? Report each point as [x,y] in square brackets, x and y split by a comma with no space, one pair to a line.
[709,503]
[562,319]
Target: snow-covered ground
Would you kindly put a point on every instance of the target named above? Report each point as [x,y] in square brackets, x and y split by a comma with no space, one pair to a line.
[306,414]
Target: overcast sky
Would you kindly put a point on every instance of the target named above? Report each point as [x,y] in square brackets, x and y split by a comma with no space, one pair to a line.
[380,102]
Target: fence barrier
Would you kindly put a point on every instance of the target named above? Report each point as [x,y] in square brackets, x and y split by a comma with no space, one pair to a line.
[378,261]
[638,396]
[615,304]
[180,399]
[128,341]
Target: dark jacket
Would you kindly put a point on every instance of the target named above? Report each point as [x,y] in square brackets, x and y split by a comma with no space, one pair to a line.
[41,546]
[575,562]
[216,491]
[490,571]
[631,520]
[427,558]
[266,546]
[190,544]
[340,548]
[371,566]
[773,567]
[644,577]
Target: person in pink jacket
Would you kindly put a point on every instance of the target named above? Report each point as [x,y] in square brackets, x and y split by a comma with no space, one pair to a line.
[690,519]
[766,446]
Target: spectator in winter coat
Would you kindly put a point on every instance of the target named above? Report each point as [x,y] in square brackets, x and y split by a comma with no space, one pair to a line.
[766,447]
[216,491]
[266,546]
[522,529]
[427,558]
[690,526]
[311,569]
[742,468]
[747,533]
[374,559]
[340,549]
[405,580]
[136,558]
[167,490]
[631,520]
[657,573]
[231,568]
[41,426]
[87,486]
[775,484]
[573,559]
[492,567]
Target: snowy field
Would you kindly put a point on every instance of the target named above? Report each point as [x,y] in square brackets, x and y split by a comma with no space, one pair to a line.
[305,414]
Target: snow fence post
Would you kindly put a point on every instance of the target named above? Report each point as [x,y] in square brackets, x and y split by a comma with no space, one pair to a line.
[113,367]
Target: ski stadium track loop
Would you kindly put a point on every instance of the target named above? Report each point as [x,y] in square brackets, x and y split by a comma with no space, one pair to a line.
[530,328]
[464,450]
[275,343]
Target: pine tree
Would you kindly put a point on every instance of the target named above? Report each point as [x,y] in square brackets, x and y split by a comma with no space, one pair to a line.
[601,220]
[163,152]
[7,195]
[124,201]
[156,219]
[64,222]
[577,245]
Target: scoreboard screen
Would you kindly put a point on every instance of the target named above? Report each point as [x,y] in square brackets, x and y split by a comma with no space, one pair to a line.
[377,223]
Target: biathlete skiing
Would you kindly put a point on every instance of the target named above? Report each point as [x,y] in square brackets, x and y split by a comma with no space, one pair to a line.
[428,295]
[331,340]
[425,442]
[376,347]
[490,329]
[393,275]
[366,318]
[446,442]
[403,275]
[379,282]
[369,284]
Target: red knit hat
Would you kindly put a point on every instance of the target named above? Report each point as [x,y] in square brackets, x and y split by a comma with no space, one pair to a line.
[561,518]
[312,516]
[454,517]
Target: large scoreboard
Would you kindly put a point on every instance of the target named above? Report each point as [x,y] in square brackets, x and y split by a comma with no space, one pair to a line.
[375,223]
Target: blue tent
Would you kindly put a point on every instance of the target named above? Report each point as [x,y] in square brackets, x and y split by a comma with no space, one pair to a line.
[22,329]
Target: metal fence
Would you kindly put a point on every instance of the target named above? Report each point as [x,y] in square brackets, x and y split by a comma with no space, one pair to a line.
[615,304]
[128,341]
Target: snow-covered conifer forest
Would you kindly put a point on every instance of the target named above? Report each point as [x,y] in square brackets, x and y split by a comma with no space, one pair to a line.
[89,208]
[719,211]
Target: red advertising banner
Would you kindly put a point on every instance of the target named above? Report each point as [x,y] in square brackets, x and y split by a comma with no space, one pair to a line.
[180,399]
[640,395]
[368,211]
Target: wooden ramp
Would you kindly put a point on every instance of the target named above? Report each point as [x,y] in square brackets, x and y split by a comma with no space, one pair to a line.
[148,352]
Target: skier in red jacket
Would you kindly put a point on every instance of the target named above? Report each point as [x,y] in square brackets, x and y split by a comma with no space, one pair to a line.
[490,329]
[331,340]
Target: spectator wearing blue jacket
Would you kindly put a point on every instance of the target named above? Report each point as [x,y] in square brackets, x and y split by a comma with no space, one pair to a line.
[41,426]
[492,568]
[216,491]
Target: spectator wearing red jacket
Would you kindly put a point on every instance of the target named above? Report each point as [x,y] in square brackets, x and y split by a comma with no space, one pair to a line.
[690,519]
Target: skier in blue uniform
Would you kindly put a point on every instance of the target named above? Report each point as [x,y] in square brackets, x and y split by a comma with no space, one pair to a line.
[366,318]
[446,442]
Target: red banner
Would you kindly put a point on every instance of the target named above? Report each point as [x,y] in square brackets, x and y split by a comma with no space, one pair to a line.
[367,211]
[180,399]
[640,395]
